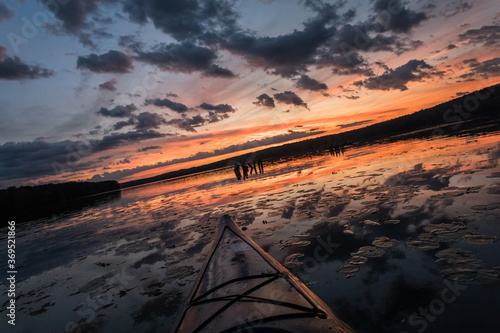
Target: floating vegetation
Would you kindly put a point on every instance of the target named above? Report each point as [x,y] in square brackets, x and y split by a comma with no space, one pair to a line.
[348,269]
[384,242]
[370,222]
[460,273]
[490,206]
[445,232]
[290,242]
[422,245]
[293,260]
[357,260]
[369,251]
[392,221]
[454,252]
[481,239]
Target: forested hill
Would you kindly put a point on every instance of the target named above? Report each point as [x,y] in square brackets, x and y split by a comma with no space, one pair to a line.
[31,202]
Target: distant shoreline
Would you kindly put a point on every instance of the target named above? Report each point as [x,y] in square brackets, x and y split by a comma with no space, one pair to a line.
[449,118]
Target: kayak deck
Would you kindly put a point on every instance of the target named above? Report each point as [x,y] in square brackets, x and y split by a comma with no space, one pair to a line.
[242,289]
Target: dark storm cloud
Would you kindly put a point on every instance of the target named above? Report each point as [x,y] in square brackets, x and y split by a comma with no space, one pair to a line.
[40,158]
[182,19]
[5,12]
[306,82]
[148,120]
[285,51]
[217,71]
[485,69]
[148,148]
[413,70]
[186,123]
[488,35]
[290,98]
[110,62]
[120,139]
[220,108]
[265,100]
[174,106]
[346,64]
[108,85]
[121,124]
[394,16]
[118,111]
[15,69]
[184,57]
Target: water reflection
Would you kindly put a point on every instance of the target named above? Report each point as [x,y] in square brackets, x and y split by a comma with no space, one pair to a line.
[375,232]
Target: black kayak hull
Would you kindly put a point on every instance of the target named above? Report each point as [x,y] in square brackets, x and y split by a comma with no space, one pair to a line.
[241,288]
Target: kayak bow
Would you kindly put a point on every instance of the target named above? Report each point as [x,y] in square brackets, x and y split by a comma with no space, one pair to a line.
[241,288]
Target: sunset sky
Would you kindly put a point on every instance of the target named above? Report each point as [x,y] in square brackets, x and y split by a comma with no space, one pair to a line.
[104,89]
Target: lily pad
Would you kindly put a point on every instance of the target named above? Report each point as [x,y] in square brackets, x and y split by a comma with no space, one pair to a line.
[422,245]
[384,242]
[481,239]
[348,269]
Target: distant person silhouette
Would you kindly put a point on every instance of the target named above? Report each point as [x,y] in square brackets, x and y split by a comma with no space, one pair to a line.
[245,170]
[237,171]
[261,166]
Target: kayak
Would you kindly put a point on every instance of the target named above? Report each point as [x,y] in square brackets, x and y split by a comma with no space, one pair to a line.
[241,288]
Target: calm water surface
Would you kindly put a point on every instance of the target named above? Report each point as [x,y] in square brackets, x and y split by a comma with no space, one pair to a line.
[397,237]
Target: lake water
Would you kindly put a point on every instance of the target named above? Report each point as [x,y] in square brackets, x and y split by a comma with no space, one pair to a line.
[396,237]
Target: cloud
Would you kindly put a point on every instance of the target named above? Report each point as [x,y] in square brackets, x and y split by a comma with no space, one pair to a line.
[182,19]
[108,85]
[217,71]
[171,94]
[356,123]
[346,64]
[110,62]
[5,12]
[121,124]
[485,69]
[174,106]
[120,139]
[306,82]
[413,70]
[265,100]
[186,123]
[394,16]
[73,14]
[15,69]
[290,98]
[488,35]
[185,57]
[220,108]
[148,120]
[39,158]
[456,7]
[126,160]
[148,148]
[118,111]
[285,54]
